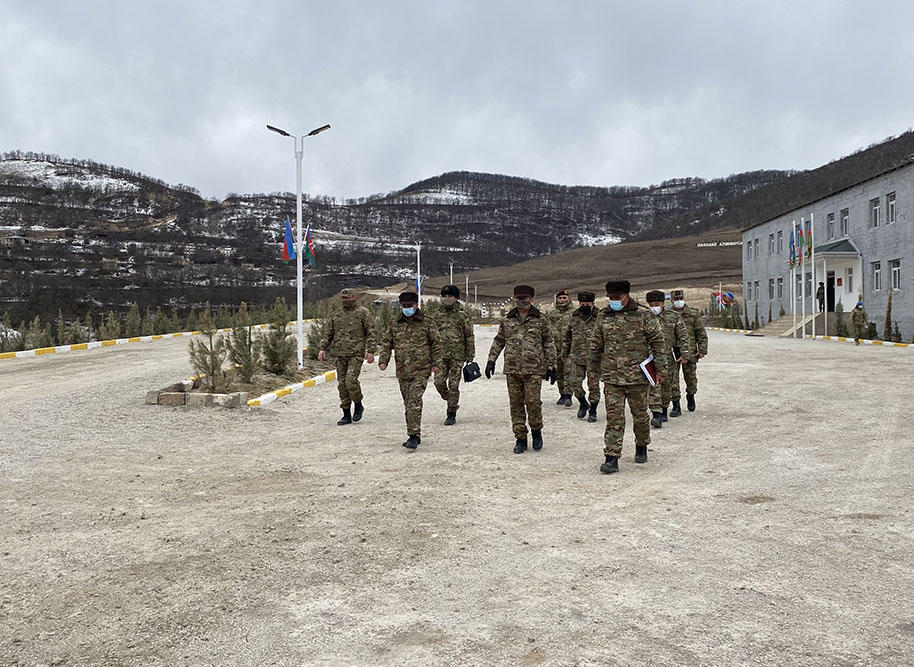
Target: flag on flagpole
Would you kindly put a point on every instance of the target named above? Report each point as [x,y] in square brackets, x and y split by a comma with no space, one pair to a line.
[793,250]
[724,298]
[808,239]
[419,285]
[309,248]
[800,243]
[288,243]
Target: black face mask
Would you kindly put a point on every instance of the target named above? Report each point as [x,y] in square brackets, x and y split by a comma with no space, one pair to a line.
[585,310]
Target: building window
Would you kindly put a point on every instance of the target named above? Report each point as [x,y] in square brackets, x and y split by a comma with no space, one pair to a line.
[797,289]
[756,248]
[780,242]
[771,244]
[756,290]
[749,251]
[874,212]
[849,279]
[890,208]
[748,291]
[877,276]
[895,270]
[770,289]
[830,226]
[845,219]
[780,287]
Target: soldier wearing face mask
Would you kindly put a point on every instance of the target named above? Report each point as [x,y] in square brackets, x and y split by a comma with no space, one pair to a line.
[575,349]
[526,337]
[414,339]
[559,319]
[455,326]
[698,348]
[676,352]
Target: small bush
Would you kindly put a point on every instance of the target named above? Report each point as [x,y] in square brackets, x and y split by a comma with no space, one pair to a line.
[207,354]
[244,344]
[279,351]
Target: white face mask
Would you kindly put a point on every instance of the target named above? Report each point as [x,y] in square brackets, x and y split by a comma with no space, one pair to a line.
[656,309]
[678,303]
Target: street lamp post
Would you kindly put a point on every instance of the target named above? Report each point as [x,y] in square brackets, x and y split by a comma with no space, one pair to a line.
[419,272]
[299,142]
[451,264]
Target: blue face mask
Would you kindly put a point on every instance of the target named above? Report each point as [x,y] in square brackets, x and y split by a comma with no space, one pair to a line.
[409,312]
[615,305]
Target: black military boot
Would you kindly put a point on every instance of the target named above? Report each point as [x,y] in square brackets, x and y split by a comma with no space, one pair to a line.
[412,442]
[655,420]
[567,400]
[520,446]
[451,418]
[347,418]
[664,417]
[690,402]
[676,411]
[582,411]
[592,412]
[640,453]
[537,440]
[357,413]
[611,465]
[561,400]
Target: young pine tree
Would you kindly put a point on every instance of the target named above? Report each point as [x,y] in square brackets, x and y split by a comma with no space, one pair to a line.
[207,353]
[279,345]
[149,324]
[62,333]
[896,333]
[133,324]
[887,325]
[244,344]
[840,324]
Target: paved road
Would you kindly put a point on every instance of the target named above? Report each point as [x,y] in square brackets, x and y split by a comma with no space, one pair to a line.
[772,527]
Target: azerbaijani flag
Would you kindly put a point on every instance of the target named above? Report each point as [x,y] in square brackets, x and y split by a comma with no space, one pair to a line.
[288,243]
[793,250]
[800,243]
[808,239]
[309,248]
[419,285]
[724,298]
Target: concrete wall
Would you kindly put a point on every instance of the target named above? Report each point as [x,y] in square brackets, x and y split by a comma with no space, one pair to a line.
[884,243]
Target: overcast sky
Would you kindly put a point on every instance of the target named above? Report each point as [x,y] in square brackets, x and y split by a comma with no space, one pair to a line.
[596,93]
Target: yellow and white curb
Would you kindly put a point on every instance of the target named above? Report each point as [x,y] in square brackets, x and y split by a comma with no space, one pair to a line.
[268,398]
[863,341]
[739,331]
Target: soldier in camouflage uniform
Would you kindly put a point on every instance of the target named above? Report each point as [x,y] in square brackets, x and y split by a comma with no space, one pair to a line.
[349,336]
[559,319]
[860,322]
[698,349]
[624,335]
[677,343]
[455,327]
[414,340]
[575,351]
[526,337]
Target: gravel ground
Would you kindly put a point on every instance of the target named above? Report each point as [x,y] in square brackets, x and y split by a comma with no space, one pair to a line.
[771,527]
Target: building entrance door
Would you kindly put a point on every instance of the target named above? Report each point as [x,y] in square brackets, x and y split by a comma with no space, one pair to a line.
[830,291]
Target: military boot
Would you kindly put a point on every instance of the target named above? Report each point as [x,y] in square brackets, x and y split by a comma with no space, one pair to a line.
[611,465]
[561,400]
[676,411]
[690,402]
[357,413]
[451,418]
[347,418]
[655,420]
[582,411]
[664,417]
[537,440]
[567,400]
[640,453]
[520,446]
[592,412]
[412,442]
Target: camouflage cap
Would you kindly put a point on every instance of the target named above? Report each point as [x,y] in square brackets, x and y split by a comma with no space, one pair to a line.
[677,294]
[347,293]
[655,295]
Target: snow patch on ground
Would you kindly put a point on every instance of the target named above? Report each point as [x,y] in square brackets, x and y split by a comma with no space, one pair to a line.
[598,239]
[61,175]
[442,196]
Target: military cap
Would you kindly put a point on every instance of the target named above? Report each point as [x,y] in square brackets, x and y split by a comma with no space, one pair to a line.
[562,292]
[677,294]
[347,293]
[524,290]
[655,295]
[618,287]
[587,296]
[408,297]
[450,290]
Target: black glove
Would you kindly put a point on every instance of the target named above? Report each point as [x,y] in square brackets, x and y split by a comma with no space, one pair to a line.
[490,369]
[551,376]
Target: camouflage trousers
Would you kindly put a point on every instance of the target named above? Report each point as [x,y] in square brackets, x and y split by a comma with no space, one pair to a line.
[411,389]
[659,396]
[562,373]
[690,373]
[577,380]
[447,382]
[859,332]
[616,395]
[524,401]
[347,380]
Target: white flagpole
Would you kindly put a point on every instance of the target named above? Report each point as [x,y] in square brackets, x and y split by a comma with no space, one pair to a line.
[419,272]
[825,275]
[299,149]
[802,284]
[812,256]
[793,296]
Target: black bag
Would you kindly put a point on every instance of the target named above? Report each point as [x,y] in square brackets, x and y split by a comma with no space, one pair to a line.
[471,372]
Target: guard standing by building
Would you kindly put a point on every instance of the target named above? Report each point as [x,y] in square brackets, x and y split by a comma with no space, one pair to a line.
[624,336]
[414,340]
[698,345]
[455,327]
[860,322]
[349,336]
[675,352]
[576,349]
[559,319]
[526,337]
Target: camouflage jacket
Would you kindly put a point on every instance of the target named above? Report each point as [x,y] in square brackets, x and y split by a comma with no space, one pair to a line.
[576,344]
[455,326]
[349,332]
[559,319]
[527,342]
[621,340]
[416,344]
[859,318]
[675,335]
[695,328]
